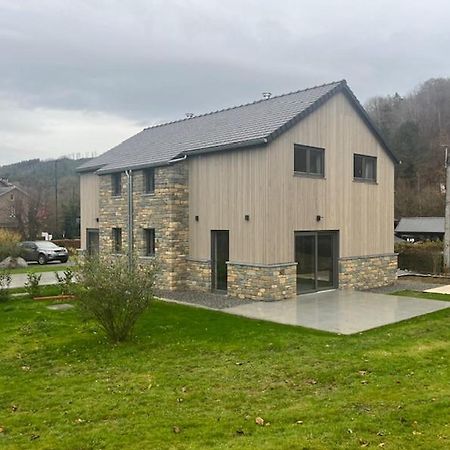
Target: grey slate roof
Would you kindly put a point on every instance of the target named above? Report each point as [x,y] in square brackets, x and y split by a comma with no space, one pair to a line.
[6,186]
[253,124]
[4,189]
[421,225]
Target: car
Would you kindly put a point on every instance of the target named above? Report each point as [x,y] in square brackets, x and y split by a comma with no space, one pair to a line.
[43,252]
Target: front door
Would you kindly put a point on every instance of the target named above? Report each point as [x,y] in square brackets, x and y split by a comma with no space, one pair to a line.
[219,257]
[316,254]
[92,241]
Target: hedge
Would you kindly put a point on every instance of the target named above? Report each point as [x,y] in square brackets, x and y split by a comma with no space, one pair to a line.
[424,257]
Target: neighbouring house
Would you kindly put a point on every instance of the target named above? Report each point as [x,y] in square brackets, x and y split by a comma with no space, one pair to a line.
[289,194]
[13,207]
[421,228]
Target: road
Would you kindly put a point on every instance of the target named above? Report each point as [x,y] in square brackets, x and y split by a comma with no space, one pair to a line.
[18,280]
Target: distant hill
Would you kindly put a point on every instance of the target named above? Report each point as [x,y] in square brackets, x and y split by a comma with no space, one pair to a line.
[35,168]
[54,189]
[417,127]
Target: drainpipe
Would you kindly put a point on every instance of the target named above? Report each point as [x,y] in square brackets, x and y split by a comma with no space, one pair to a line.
[129,174]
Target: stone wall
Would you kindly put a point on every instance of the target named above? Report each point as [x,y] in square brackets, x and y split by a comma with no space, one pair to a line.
[367,272]
[198,275]
[165,210]
[262,282]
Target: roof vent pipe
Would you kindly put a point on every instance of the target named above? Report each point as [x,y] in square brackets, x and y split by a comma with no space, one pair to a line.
[267,95]
[189,115]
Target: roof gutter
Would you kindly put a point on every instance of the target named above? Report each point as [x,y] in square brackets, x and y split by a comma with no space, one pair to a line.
[172,161]
[234,146]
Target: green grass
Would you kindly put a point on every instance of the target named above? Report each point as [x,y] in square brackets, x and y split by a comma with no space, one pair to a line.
[34,268]
[44,290]
[426,295]
[211,374]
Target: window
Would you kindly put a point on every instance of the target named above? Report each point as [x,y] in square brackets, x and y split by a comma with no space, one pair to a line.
[149,181]
[309,160]
[116,184]
[117,240]
[149,242]
[364,167]
[12,211]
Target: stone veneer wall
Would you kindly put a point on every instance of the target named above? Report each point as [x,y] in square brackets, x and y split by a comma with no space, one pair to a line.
[261,282]
[165,210]
[198,275]
[366,272]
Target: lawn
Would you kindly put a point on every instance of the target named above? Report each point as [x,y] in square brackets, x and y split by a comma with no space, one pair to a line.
[427,295]
[198,379]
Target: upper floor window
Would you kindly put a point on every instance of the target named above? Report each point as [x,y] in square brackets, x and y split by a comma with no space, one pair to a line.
[309,160]
[149,181]
[116,184]
[364,167]
[117,240]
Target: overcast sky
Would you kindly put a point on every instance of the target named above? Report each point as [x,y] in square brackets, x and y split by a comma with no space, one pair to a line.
[80,76]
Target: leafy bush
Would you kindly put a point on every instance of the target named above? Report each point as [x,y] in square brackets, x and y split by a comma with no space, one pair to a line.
[32,284]
[5,281]
[114,294]
[72,245]
[9,241]
[68,243]
[66,281]
[423,257]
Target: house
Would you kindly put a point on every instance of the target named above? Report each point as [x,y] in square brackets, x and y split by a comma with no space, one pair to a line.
[289,194]
[421,228]
[13,206]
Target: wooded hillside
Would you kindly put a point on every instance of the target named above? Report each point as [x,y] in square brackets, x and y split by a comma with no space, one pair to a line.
[54,190]
[416,127]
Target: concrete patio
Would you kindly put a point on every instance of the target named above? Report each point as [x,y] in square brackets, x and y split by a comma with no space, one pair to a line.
[339,311]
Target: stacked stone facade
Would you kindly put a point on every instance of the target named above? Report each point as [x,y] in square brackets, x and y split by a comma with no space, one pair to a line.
[262,282]
[367,272]
[198,275]
[165,210]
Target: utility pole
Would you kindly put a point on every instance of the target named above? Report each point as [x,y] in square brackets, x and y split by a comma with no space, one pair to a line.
[447,212]
[56,196]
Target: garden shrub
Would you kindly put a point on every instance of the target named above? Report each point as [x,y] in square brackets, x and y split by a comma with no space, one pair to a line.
[66,281]
[114,293]
[9,241]
[32,284]
[5,282]
[422,257]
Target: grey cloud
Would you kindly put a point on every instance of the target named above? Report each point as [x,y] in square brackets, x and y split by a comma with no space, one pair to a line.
[153,60]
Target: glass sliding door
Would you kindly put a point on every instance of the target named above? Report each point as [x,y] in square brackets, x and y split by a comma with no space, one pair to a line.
[305,255]
[325,261]
[316,255]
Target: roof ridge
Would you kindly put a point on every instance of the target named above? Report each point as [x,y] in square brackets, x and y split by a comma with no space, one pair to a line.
[343,81]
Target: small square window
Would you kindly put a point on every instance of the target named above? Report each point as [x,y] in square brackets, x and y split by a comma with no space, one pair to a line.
[149,242]
[116,184]
[364,167]
[149,181]
[117,240]
[309,160]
